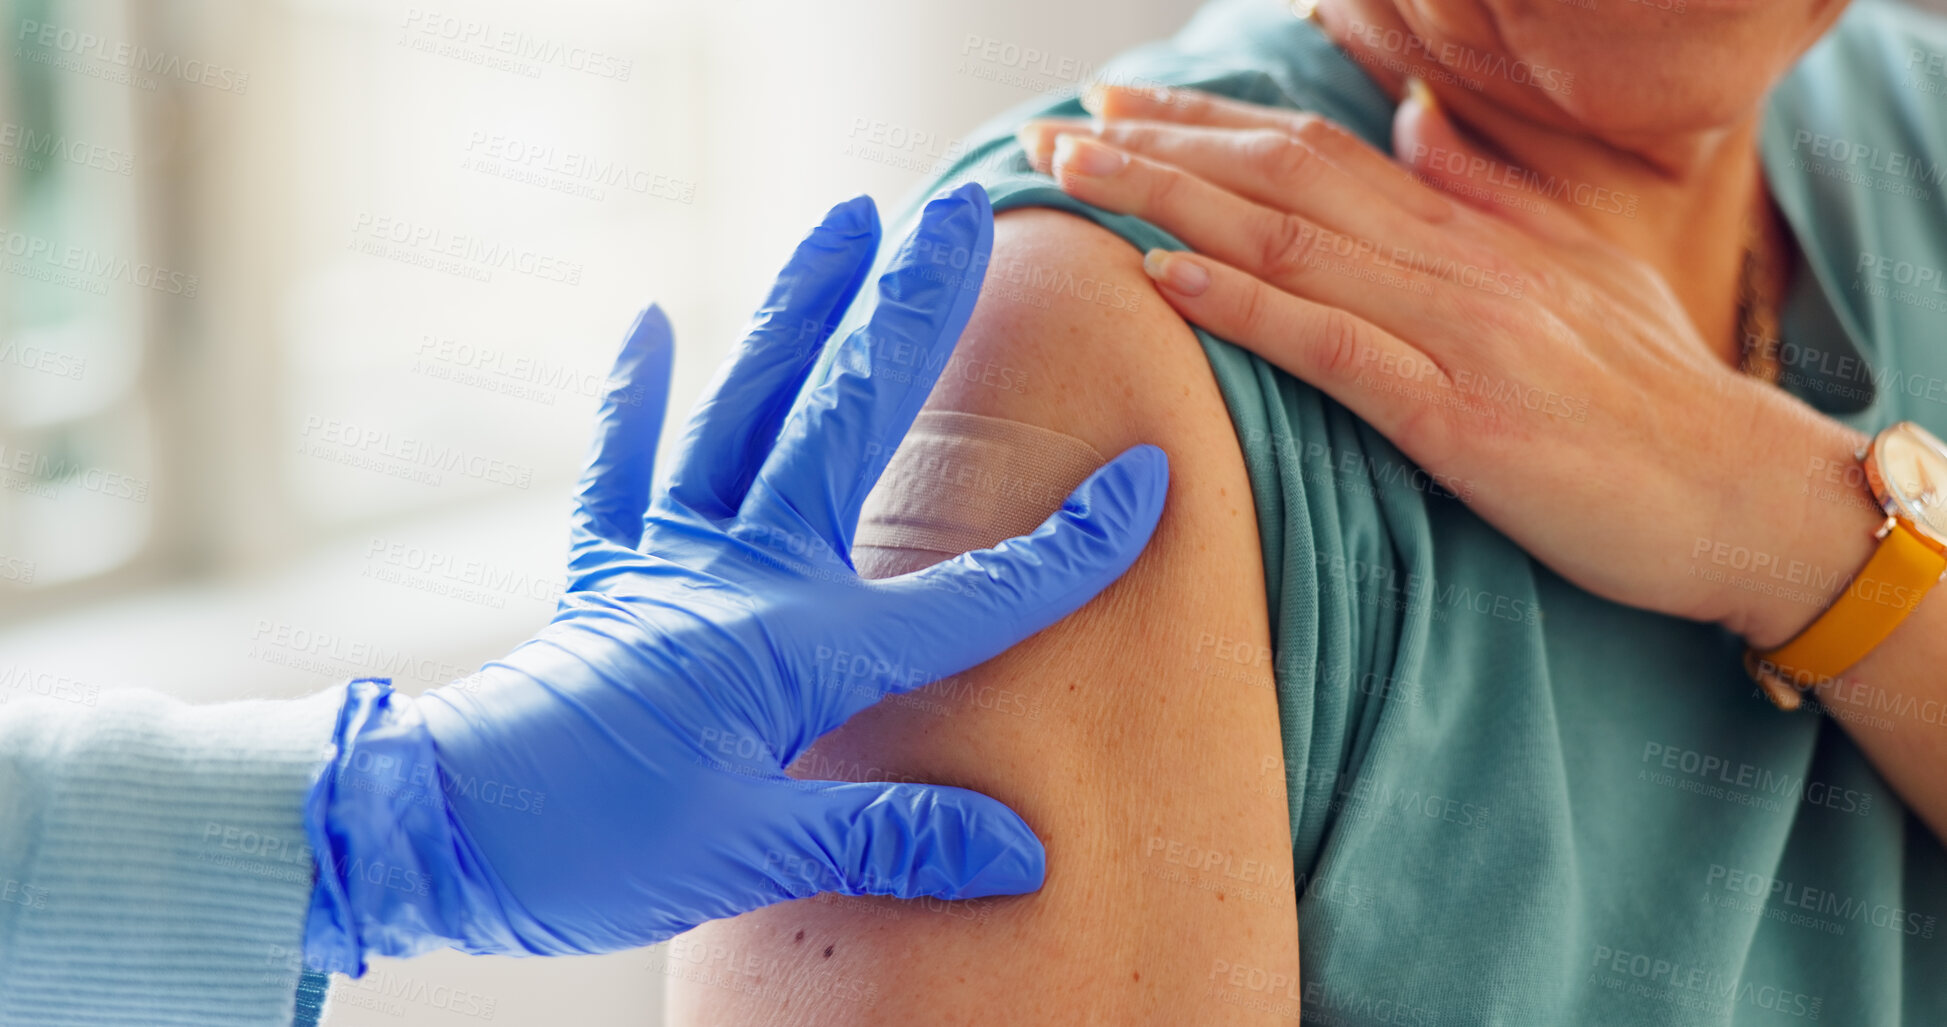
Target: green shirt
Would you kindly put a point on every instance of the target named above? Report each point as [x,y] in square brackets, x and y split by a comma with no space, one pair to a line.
[1512,801]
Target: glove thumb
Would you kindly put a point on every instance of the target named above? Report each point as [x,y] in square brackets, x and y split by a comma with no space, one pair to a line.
[912,840]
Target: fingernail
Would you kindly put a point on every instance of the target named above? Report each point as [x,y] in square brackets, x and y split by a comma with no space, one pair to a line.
[1088,157]
[1419,92]
[852,217]
[1094,98]
[1140,485]
[1018,869]
[1037,138]
[1179,274]
[1021,872]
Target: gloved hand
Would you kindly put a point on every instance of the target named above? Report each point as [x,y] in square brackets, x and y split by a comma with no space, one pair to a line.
[620,779]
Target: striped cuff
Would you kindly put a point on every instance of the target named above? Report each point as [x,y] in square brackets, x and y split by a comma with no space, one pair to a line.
[156,857]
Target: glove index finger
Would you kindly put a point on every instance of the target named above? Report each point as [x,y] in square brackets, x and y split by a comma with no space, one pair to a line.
[736,422]
[840,438]
[614,487]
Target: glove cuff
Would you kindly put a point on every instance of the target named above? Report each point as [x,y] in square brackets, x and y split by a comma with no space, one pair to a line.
[378,823]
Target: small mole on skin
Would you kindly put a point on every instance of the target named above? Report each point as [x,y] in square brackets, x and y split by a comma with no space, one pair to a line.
[1220,898]
[1136,976]
[1071,688]
[828,951]
[800,936]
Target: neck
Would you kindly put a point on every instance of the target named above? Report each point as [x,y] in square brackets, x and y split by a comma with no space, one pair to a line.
[1686,200]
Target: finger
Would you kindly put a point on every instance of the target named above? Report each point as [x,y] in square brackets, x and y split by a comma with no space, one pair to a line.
[1184,106]
[835,443]
[614,489]
[910,840]
[969,609]
[1362,275]
[1268,166]
[734,426]
[1396,388]
[1192,107]
[1444,158]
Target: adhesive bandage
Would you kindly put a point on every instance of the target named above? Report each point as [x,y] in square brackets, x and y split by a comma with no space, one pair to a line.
[961,482]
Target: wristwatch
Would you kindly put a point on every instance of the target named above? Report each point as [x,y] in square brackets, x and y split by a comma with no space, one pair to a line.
[1906,466]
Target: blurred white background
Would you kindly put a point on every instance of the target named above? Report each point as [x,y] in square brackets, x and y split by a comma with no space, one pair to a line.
[260,260]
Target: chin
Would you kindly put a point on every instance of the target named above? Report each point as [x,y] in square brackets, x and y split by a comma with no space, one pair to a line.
[1640,71]
[1658,101]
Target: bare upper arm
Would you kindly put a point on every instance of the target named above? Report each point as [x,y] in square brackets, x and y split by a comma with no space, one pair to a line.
[1139,737]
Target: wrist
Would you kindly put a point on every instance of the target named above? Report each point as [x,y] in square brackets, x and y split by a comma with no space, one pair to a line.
[1811,515]
[383,839]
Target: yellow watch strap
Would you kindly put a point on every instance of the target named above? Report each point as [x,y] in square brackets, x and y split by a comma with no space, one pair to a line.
[1888,588]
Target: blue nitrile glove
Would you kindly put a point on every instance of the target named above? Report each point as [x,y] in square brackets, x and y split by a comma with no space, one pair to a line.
[620,778]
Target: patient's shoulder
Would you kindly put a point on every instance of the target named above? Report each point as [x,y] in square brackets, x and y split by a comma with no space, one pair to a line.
[1139,737]
[1070,334]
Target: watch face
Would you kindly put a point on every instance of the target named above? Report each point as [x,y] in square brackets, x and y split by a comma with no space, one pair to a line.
[1913,464]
